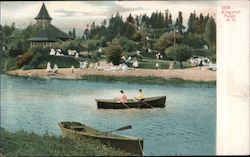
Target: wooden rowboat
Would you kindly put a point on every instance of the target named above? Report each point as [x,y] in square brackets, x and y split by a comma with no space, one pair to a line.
[146,103]
[77,130]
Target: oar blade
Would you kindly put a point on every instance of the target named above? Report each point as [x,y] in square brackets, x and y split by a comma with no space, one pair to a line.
[124,128]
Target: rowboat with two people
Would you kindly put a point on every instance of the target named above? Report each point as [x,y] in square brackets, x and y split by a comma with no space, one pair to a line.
[150,102]
[76,130]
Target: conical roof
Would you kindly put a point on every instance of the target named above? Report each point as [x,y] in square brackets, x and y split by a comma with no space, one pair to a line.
[43,14]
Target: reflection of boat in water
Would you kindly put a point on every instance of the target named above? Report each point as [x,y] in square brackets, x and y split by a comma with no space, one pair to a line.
[78,130]
[146,103]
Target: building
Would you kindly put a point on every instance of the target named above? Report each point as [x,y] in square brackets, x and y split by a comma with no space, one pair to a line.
[47,34]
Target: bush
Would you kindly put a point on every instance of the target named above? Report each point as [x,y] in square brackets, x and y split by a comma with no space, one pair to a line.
[114,53]
[24,59]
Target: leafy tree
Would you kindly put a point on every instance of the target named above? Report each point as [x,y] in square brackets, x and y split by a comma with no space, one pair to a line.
[179,53]
[18,50]
[210,32]
[138,36]
[166,40]
[114,53]
[126,44]
[194,40]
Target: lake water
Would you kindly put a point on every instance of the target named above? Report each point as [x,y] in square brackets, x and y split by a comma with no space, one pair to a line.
[186,126]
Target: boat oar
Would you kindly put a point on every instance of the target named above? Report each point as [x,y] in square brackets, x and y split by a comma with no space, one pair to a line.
[122,102]
[119,129]
[144,102]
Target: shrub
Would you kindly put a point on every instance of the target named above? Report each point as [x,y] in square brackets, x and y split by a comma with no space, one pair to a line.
[24,59]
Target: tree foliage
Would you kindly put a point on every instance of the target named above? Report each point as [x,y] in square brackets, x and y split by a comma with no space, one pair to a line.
[210,32]
[167,40]
[126,44]
[114,53]
[179,53]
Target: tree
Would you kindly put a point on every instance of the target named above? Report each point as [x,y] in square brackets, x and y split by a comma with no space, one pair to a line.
[114,53]
[86,34]
[70,33]
[166,40]
[179,53]
[166,22]
[126,44]
[74,33]
[179,23]
[210,32]
[130,30]
[131,19]
[170,21]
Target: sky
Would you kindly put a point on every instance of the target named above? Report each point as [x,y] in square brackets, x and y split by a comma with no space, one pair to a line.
[67,15]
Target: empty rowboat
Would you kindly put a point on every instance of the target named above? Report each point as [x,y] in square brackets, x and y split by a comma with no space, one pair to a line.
[151,102]
[78,130]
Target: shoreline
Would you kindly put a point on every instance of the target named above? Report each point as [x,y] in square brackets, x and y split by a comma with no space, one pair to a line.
[194,75]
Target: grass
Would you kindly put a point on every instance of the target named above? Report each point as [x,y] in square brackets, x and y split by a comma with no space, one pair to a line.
[163,64]
[22,143]
[145,80]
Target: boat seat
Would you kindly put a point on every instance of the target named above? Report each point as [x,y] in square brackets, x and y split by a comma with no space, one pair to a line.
[78,128]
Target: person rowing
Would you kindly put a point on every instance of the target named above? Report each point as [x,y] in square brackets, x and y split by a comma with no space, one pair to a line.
[123,98]
[140,98]
[140,95]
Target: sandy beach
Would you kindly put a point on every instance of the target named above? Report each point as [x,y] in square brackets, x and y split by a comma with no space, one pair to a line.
[192,74]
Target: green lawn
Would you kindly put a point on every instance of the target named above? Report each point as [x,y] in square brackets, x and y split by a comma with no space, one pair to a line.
[163,64]
[22,143]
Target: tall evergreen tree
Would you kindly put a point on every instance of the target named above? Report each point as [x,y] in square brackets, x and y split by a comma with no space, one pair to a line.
[131,19]
[74,33]
[170,21]
[179,23]
[166,22]
[210,32]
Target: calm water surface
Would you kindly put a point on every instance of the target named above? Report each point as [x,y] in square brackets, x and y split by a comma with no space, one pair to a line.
[185,127]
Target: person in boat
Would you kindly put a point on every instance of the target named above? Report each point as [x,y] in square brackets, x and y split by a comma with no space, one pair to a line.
[123,98]
[140,95]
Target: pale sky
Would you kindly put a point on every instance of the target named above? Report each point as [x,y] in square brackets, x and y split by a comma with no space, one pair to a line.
[77,14]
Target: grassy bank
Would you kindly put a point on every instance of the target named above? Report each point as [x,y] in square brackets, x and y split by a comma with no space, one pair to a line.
[145,80]
[23,143]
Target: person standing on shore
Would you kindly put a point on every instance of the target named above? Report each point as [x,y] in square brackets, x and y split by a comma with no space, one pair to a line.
[72,69]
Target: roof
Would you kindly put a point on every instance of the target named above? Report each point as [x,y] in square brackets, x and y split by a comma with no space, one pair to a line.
[49,33]
[43,14]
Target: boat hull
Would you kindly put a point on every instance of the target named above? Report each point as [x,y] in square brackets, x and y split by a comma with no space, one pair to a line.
[131,145]
[146,103]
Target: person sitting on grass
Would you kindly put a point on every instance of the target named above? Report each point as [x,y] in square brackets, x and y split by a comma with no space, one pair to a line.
[123,98]
[140,96]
